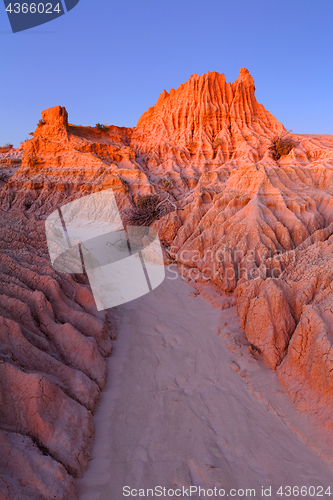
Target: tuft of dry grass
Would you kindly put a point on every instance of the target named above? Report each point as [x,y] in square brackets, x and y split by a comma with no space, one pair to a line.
[103,128]
[145,211]
[282,145]
[217,142]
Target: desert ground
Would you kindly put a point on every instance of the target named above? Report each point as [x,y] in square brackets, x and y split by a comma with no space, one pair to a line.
[187,404]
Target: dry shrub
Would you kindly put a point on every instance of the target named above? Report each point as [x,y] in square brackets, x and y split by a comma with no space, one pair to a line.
[282,145]
[217,142]
[147,209]
[102,127]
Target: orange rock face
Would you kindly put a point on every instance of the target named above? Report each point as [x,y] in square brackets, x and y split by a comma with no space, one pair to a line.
[207,118]
[306,284]
[52,365]
[238,215]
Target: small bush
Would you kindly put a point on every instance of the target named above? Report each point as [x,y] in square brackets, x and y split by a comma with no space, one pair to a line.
[8,146]
[217,142]
[40,123]
[168,183]
[146,210]
[103,128]
[282,145]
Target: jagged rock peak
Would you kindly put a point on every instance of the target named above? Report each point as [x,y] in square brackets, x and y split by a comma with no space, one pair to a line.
[56,115]
[54,122]
[203,109]
[246,78]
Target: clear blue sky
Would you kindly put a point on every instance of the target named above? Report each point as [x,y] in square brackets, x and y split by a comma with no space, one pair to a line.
[108,60]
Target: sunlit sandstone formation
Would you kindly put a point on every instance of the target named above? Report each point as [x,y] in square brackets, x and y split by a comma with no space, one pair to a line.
[245,222]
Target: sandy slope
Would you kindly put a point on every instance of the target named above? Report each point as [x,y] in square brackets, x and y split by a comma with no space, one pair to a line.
[177,411]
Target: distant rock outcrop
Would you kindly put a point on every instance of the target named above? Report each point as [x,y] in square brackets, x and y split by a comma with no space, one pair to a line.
[207,118]
[237,215]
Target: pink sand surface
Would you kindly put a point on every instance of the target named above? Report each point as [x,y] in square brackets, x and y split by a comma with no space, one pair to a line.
[187,404]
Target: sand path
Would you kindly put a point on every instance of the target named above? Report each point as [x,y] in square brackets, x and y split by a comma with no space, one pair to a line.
[177,411]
